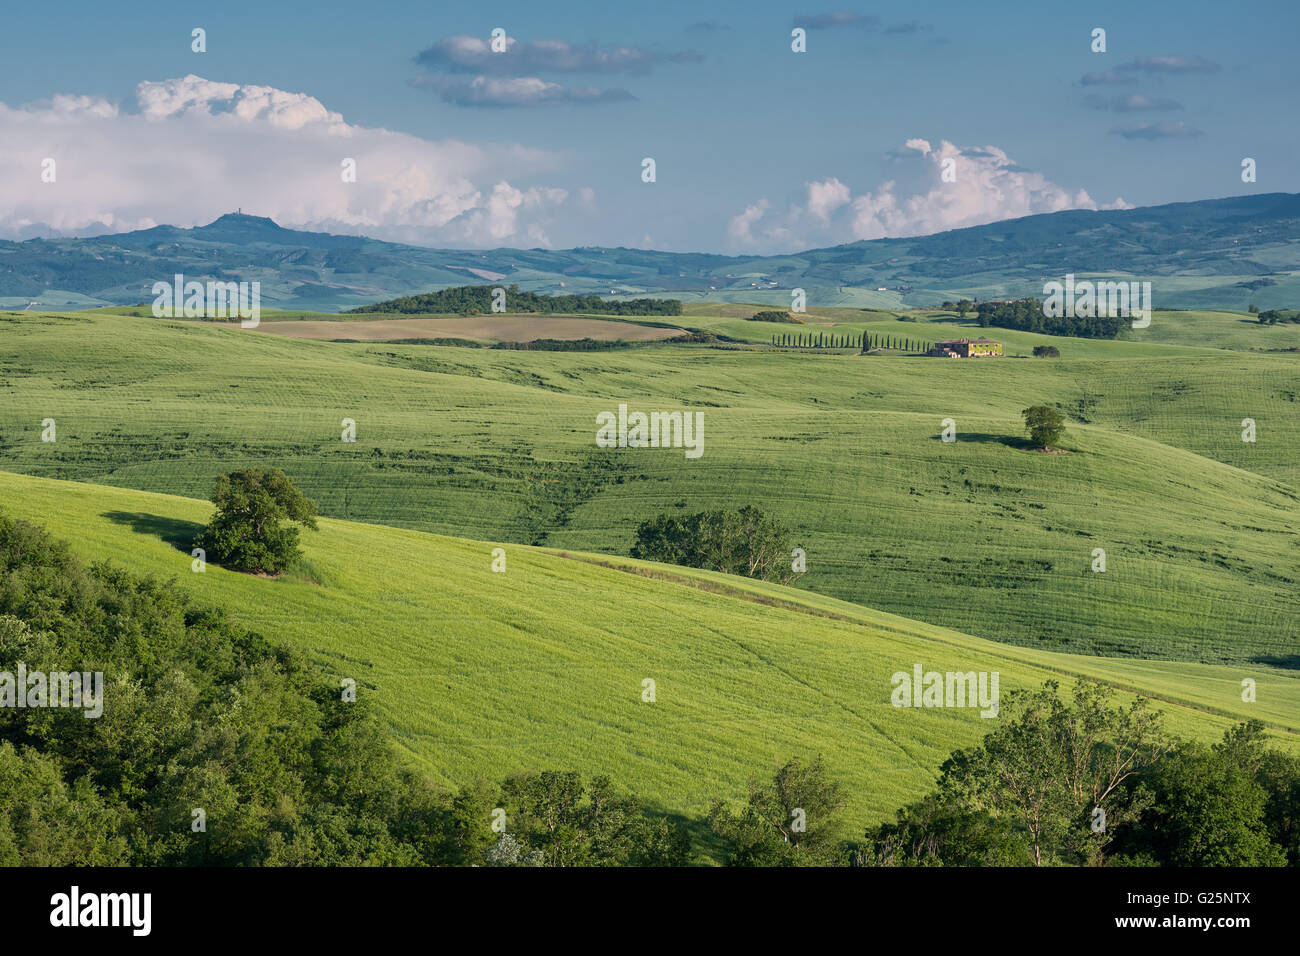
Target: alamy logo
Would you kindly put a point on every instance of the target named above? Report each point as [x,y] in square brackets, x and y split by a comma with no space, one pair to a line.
[80,690]
[1088,299]
[656,430]
[74,908]
[950,689]
[215,300]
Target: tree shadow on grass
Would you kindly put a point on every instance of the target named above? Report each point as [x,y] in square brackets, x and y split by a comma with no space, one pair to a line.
[706,846]
[173,531]
[1290,662]
[1011,441]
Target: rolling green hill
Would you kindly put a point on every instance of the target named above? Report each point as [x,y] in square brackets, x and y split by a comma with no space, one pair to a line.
[543,665]
[982,535]
[1215,253]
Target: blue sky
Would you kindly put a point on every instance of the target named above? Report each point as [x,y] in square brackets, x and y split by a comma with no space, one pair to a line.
[757,148]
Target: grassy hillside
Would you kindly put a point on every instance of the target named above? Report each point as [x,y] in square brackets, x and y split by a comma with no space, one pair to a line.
[984,535]
[1200,330]
[542,666]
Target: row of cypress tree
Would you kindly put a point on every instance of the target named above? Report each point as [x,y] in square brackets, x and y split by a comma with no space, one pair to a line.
[864,341]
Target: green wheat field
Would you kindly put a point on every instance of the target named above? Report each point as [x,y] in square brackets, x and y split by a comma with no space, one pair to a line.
[970,555]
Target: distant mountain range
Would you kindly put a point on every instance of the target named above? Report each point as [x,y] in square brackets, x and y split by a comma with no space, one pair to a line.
[1224,253]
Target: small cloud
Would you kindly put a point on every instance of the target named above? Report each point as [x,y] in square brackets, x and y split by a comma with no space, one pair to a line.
[1169,64]
[909,149]
[1132,103]
[470,54]
[826,197]
[516,91]
[911,26]
[1145,130]
[740,229]
[1108,78]
[837,20]
[842,19]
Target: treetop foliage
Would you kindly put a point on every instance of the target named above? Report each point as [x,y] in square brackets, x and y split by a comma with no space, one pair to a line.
[747,542]
[1026,315]
[245,533]
[1045,425]
[475,299]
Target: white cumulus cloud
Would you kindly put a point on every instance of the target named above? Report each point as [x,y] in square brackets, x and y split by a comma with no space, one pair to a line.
[192,149]
[987,186]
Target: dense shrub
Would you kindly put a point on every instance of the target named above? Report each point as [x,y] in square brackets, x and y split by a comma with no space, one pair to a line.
[746,542]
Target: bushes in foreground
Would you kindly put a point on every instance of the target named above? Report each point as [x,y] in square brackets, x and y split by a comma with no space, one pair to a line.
[1086,781]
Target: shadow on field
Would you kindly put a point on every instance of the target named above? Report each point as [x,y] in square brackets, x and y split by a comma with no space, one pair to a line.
[707,848]
[179,534]
[983,437]
[1290,662]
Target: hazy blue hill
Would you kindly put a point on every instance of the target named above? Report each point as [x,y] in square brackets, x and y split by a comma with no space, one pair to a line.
[1217,253]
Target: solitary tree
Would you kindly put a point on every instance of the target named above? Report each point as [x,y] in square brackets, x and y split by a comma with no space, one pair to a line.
[245,534]
[1044,424]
